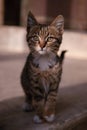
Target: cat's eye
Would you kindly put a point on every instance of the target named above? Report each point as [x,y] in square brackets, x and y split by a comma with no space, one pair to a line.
[35,38]
[51,39]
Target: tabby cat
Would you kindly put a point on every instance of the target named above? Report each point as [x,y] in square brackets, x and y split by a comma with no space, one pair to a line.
[42,71]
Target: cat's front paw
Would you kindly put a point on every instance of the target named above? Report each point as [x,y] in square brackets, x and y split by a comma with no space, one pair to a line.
[27,107]
[50,118]
[37,119]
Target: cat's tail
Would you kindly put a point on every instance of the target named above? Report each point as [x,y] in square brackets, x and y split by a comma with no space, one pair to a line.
[62,55]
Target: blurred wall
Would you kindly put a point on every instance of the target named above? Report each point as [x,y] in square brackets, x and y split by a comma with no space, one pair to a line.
[38,8]
[12,12]
[1,11]
[74,12]
[78,19]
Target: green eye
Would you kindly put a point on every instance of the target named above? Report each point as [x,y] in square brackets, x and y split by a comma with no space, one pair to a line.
[51,39]
[35,38]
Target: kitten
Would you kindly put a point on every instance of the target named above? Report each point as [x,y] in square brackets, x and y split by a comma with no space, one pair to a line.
[42,71]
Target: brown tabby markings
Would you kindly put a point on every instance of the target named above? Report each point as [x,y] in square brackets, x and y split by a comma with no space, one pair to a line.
[41,74]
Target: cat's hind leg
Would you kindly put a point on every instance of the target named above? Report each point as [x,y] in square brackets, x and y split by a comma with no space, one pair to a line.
[27,105]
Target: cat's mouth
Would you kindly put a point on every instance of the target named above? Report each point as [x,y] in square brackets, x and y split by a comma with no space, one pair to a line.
[42,51]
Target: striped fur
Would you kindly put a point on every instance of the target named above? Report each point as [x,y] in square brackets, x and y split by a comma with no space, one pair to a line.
[42,71]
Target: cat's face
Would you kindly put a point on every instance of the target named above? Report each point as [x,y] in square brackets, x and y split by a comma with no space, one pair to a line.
[44,39]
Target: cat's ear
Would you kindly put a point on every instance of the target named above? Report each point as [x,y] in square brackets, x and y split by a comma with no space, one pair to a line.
[31,21]
[58,22]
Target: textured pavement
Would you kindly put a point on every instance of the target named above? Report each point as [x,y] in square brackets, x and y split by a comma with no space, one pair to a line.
[72,98]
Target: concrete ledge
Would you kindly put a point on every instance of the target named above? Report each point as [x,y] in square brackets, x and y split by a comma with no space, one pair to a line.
[71,115]
[77,122]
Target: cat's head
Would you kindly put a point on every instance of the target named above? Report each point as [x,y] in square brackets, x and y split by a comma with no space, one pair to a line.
[43,39]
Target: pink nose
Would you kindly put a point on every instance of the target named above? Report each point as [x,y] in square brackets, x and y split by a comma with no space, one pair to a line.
[42,44]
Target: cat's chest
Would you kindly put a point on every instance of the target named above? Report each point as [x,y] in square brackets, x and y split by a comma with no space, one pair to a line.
[45,62]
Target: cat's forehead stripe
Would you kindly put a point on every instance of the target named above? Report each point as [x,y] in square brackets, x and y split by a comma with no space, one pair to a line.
[43,31]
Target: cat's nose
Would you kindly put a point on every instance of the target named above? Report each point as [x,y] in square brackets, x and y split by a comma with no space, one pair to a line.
[42,45]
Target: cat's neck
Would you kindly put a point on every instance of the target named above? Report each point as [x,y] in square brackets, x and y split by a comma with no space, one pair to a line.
[46,61]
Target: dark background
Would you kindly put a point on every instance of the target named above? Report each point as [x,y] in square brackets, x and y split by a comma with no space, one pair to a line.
[74,11]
